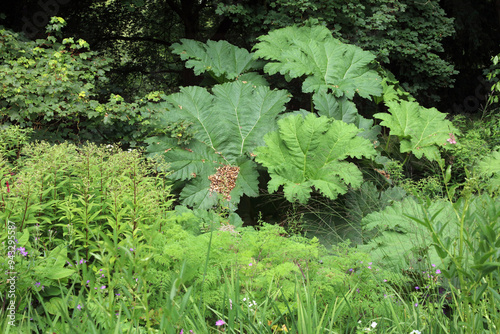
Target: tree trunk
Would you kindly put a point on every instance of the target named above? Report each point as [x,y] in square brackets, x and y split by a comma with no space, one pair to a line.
[498,10]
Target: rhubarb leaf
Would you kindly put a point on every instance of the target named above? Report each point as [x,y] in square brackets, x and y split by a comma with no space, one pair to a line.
[309,152]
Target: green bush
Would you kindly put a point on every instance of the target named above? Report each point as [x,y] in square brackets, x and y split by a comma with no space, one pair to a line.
[67,203]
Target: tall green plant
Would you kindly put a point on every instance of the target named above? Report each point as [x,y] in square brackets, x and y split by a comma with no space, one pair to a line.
[421,131]
[77,207]
[228,125]
[221,60]
[328,63]
[310,152]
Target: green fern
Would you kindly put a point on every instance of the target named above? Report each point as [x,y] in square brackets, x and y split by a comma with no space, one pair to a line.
[328,63]
[308,152]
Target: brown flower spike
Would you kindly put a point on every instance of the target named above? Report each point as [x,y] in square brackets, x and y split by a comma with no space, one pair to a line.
[224,181]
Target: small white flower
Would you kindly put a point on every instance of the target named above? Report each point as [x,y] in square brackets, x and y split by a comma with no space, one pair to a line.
[374,324]
[244,299]
[415,332]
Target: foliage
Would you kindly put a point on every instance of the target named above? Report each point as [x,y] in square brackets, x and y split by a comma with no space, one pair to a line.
[363,201]
[339,71]
[227,125]
[407,37]
[399,241]
[309,152]
[268,264]
[48,79]
[144,269]
[471,256]
[477,139]
[68,205]
[12,139]
[489,167]
[461,236]
[52,85]
[493,72]
[328,63]
[95,240]
[421,131]
[222,60]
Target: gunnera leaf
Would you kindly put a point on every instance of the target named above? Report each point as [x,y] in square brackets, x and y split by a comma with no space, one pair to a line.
[421,131]
[228,124]
[327,63]
[489,167]
[308,153]
[399,241]
[232,120]
[337,108]
[221,59]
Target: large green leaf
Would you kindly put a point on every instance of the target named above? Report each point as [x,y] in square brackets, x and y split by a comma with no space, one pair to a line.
[489,166]
[400,241]
[228,125]
[421,131]
[328,63]
[345,110]
[187,163]
[222,59]
[233,120]
[337,108]
[308,152]
[197,192]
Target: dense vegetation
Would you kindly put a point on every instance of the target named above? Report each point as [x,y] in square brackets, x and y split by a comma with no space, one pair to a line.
[294,184]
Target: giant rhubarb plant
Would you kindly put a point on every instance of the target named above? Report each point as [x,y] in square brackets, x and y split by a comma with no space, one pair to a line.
[334,72]
[328,63]
[421,131]
[309,153]
[489,167]
[221,60]
[228,124]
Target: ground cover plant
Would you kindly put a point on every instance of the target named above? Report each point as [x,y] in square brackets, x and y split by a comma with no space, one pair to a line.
[102,238]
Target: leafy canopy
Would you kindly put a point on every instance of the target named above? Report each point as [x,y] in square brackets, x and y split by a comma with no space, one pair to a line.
[308,152]
[328,63]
